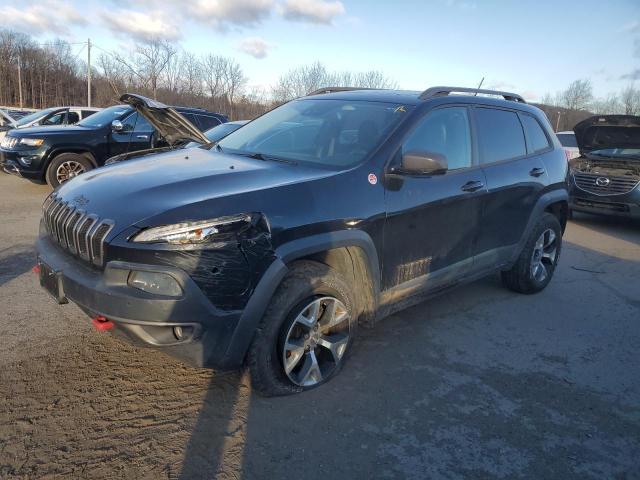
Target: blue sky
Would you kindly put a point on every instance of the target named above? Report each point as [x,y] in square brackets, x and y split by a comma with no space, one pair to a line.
[528,47]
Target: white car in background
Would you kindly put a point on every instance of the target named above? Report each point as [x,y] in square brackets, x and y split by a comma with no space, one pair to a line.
[54,116]
[6,123]
[569,143]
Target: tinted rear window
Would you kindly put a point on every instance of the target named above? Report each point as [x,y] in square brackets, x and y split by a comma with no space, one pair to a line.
[567,140]
[536,138]
[500,135]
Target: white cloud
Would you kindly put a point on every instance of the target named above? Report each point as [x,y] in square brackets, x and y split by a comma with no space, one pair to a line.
[141,26]
[631,27]
[42,17]
[221,14]
[312,11]
[255,46]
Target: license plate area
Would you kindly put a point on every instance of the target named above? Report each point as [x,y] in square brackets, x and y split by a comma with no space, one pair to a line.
[51,281]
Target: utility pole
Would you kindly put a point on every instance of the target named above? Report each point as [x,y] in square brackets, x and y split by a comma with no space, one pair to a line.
[88,72]
[558,121]
[20,81]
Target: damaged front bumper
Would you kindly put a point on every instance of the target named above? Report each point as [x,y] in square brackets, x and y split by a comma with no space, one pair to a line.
[142,318]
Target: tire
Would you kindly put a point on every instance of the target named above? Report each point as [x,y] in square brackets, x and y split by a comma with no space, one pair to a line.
[307,283]
[74,163]
[524,277]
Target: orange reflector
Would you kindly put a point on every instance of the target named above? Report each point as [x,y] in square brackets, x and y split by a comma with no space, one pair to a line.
[36,269]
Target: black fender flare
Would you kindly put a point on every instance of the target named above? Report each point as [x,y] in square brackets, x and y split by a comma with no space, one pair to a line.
[549,198]
[70,149]
[275,273]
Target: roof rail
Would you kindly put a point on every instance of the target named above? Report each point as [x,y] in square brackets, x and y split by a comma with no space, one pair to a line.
[320,91]
[444,91]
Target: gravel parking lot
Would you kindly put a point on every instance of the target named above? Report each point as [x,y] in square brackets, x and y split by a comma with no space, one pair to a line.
[478,383]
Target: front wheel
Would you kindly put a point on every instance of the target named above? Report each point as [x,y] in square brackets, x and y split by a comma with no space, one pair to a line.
[306,333]
[66,166]
[537,262]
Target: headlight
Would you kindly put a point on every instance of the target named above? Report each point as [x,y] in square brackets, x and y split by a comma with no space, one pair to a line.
[192,232]
[31,142]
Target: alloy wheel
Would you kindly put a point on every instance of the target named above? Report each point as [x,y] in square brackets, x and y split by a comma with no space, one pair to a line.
[69,169]
[316,341]
[544,255]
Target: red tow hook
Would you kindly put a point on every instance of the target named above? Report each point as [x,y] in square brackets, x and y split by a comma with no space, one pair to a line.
[101,323]
[36,269]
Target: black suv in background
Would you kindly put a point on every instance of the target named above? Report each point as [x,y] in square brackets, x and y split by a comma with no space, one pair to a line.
[268,247]
[57,154]
[606,175]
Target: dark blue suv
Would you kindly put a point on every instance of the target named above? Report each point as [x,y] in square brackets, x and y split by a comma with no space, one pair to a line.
[57,154]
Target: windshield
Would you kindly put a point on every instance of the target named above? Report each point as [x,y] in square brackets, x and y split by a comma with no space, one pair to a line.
[32,117]
[106,116]
[335,133]
[617,152]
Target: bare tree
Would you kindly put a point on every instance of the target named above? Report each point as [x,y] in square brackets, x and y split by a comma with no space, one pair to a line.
[307,78]
[607,106]
[630,99]
[578,95]
[148,62]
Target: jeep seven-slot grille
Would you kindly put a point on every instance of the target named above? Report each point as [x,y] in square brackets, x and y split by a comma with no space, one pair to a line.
[603,185]
[75,230]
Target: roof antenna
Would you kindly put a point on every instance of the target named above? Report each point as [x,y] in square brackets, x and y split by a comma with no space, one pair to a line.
[479,85]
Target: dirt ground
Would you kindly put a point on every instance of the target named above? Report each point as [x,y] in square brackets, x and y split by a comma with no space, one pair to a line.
[479,383]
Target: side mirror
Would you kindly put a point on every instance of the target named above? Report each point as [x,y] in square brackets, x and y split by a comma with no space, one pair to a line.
[424,163]
[117,126]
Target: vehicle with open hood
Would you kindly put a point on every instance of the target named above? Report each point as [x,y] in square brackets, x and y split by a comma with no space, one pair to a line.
[213,135]
[270,246]
[605,178]
[7,122]
[57,154]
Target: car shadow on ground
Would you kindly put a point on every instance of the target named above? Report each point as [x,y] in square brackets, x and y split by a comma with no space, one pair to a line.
[479,382]
[16,260]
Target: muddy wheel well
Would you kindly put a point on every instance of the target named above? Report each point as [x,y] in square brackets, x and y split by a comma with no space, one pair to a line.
[561,211]
[351,263]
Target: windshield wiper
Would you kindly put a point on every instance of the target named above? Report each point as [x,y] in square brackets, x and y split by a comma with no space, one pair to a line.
[265,157]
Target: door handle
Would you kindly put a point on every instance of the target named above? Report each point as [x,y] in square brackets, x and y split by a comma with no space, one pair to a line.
[536,172]
[472,186]
[142,137]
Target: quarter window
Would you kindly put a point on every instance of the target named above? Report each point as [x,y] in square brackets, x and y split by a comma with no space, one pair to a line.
[537,141]
[444,131]
[500,135]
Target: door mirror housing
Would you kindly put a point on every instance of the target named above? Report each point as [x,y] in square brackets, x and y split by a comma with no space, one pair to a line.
[117,126]
[424,163]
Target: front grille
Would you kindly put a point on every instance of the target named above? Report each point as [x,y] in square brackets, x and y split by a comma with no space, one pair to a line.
[76,231]
[615,186]
[8,142]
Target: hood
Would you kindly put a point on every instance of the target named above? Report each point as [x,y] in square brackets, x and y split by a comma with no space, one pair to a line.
[47,131]
[172,126]
[130,192]
[608,131]
[6,121]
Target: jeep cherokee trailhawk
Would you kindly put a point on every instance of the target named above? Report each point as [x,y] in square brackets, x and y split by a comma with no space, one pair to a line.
[269,247]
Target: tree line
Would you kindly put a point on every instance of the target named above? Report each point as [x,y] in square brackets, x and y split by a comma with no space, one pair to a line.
[55,74]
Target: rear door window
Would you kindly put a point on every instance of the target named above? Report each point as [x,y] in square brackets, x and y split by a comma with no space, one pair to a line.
[72,117]
[500,135]
[537,141]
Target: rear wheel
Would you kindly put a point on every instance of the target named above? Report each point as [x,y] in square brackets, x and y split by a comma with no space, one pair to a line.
[305,335]
[66,166]
[537,262]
